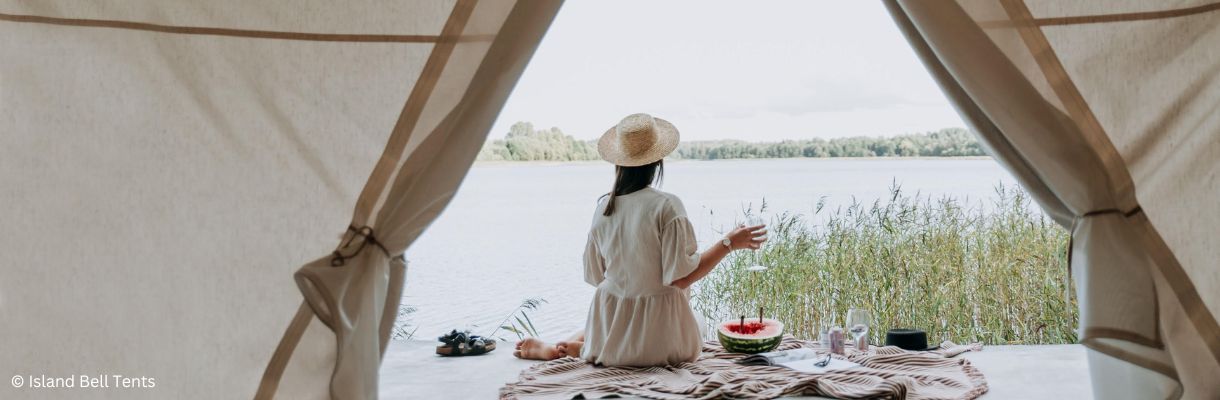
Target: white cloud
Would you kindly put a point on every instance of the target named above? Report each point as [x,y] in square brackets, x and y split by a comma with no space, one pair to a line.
[759,71]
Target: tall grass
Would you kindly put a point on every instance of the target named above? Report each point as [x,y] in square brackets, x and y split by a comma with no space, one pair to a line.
[518,322]
[994,274]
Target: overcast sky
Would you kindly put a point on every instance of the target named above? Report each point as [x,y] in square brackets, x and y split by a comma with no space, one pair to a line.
[765,70]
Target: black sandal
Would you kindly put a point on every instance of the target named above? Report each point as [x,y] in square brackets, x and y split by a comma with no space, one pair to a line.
[464,344]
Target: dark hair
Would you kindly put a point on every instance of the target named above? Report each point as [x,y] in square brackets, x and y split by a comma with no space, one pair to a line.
[628,180]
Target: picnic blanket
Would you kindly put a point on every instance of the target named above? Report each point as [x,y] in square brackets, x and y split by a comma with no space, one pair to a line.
[885,372]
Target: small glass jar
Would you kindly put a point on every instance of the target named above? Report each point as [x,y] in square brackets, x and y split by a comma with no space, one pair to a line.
[837,337]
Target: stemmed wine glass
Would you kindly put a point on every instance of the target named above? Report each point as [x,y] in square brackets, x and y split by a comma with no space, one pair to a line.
[858,320]
[757,268]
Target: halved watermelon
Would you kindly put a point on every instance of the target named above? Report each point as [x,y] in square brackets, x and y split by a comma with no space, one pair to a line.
[752,338]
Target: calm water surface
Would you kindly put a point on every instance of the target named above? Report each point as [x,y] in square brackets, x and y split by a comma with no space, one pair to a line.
[517,231]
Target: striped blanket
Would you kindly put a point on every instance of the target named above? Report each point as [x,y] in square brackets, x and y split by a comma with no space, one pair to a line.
[885,372]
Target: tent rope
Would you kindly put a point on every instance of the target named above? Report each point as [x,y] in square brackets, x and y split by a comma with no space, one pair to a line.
[338,259]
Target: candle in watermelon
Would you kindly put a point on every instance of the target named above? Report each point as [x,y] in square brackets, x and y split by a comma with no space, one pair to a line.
[751,336]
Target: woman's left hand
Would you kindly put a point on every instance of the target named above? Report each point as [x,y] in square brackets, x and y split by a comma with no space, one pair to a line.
[747,237]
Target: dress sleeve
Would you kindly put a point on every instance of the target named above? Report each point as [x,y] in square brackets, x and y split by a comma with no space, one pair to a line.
[679,250]
[595,267]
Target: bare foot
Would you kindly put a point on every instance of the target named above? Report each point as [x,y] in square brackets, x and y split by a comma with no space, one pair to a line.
[534,349]
[569,349]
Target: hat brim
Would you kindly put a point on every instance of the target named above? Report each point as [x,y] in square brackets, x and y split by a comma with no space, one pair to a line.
[667,140]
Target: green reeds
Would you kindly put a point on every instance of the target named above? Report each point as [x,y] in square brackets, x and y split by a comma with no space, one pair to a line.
[996,275]
[518,322]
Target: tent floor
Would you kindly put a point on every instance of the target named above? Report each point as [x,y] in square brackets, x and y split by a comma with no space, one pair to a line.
[412,371]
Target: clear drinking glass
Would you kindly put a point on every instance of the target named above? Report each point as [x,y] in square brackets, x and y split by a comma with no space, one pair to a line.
[858,320]
[824,325]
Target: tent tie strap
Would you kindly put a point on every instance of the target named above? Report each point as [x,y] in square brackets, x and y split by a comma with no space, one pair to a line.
[1072,229]
[338,259]
[1133,211]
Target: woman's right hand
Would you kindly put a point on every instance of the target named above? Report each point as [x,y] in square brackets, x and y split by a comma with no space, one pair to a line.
[747,237]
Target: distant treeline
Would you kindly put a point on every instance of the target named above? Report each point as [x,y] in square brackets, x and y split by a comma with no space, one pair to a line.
[524,143]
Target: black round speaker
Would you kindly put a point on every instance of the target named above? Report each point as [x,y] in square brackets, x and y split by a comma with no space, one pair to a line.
[908,339]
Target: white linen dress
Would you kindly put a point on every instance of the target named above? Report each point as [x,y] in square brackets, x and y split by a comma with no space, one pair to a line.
[632,257]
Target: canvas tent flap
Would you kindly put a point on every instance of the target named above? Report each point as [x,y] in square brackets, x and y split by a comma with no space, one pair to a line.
[1108,117]
[169,164]
[356,17]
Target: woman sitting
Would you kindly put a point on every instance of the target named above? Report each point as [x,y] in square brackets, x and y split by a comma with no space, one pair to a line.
[642,257]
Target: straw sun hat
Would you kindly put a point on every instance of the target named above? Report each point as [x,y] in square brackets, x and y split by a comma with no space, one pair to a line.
[638,139]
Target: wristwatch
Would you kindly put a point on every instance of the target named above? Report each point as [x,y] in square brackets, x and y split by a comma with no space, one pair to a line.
[728,244]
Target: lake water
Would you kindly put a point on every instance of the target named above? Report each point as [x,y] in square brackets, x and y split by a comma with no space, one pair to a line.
[517,231]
